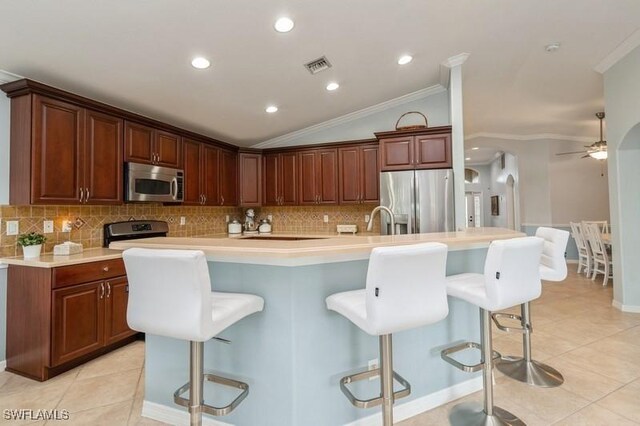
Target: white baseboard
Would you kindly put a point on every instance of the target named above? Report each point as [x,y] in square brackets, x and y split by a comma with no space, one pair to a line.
[175,416]
[3,365]
[626,308]
[425,403]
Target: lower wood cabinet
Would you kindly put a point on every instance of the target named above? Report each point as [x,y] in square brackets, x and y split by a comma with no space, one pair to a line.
[58,318]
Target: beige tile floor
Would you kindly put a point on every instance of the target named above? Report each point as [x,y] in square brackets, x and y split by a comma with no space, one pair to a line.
[576,330]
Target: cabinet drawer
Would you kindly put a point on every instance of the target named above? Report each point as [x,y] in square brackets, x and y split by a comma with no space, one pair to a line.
[86,272]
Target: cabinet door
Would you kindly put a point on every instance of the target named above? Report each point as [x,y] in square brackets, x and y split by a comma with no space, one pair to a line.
[350,175]
[288,182]
[370,174]
[433,151]
[328,176]
[210,175]
[271,179]
[116,299]
[250,179]
[78,321]
[57,169]
[168,148]
[139,143]
[228,178]
[192,172]
[308,176]
[397,153]
[103,158]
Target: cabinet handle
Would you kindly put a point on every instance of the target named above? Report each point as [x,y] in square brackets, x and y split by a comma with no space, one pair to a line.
[202,199]
[81,194]
[108,290]
[222,200]
[105,269]
[86,195]
[101,290]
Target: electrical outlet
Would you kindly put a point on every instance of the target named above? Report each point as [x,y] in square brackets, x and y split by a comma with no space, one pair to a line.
[183,220]
[66,226]
[270,218]
[47,227]
[226,219]
[367,217]
[325,218]
[372,365]
[13,227]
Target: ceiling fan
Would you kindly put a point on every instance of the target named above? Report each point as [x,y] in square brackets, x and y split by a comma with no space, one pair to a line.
[597,150]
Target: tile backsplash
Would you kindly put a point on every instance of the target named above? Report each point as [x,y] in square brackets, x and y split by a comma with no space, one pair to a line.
[87,221]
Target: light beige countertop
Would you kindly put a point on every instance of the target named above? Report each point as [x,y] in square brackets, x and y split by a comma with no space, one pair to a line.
[320,248]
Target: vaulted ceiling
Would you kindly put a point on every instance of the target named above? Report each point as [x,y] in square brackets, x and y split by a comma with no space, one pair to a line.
[136,55]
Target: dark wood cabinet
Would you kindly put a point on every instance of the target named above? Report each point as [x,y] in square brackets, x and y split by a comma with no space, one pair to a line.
[419,149]
[228,178]
[359,174]
[250,179]
[318,176]
[192,164]
[58,318]
[147,145]
[210,175]
[103,158]
[280,179]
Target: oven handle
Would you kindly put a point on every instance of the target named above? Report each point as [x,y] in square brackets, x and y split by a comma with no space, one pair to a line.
[174,188]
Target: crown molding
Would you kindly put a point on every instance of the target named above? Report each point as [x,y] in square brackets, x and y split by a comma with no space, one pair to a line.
[282,140]
[8,77]
[456,61]
[536,137]
[619,52]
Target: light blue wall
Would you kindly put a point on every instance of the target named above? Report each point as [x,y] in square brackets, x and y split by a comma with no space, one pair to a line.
[622,106]
[435,107]
[4,199]
[3,313]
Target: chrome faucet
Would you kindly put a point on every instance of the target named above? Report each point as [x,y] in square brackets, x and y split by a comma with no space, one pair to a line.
[373,214]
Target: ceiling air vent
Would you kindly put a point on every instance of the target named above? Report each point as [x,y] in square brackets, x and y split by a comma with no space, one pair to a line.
[317,65]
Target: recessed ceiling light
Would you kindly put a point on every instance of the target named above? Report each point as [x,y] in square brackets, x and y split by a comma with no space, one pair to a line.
[283,25]
[475,148]
[550,48]
[271,109]
[405,59]
[332,86]
[468,158]
[200,63]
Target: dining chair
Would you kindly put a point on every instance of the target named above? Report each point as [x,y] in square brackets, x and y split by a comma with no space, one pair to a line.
[603,225]
[584,253]
[601,262]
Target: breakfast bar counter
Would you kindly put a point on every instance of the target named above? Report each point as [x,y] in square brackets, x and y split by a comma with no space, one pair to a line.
[293,353]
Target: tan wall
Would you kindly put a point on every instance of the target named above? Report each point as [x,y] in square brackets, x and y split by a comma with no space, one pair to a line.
[200,221]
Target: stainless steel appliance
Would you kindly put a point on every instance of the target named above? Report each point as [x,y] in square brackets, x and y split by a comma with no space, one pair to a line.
[421,201]
[153,183]
[134,229]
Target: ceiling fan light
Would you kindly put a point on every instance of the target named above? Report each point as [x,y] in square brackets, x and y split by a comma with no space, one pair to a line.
[598,155]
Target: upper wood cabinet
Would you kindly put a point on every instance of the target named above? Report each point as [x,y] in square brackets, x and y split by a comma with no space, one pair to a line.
[318,176]
[250,179]
[359,174]
[144,144]
[422,149]
[63,154]
[280,178]
[210,174]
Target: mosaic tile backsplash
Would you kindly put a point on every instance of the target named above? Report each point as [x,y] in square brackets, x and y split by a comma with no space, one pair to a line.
[87,221]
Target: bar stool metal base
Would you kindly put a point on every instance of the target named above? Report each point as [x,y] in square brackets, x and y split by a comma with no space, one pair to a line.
[531,372]
[210,409]
[473,414]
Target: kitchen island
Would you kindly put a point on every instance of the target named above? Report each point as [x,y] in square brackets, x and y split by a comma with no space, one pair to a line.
[294,352]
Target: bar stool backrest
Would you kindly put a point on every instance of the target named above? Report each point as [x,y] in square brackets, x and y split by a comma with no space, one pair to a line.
[169,293]
[553,265]
[406,287]
[512,272]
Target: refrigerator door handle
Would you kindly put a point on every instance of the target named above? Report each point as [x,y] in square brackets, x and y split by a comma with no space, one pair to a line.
[416,220]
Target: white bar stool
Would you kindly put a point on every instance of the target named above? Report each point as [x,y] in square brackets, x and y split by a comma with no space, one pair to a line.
[170,295]
[405,289]
[553,267]
[511,277]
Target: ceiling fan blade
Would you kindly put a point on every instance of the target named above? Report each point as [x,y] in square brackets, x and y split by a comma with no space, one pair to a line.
[574,152]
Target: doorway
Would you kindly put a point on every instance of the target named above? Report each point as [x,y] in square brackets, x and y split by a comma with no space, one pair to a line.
[473,205]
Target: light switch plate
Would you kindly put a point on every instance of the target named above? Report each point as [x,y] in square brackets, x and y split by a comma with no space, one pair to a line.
[66,226]
[13,227]
[47,226]
[183,220]
[325,218]
[367,217]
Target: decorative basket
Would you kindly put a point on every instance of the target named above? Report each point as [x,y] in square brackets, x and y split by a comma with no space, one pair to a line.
[413,126]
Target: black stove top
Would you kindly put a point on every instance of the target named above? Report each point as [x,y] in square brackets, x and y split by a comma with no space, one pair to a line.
[134,229]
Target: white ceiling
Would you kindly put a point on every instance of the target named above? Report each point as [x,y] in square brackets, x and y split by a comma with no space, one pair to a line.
[136,55]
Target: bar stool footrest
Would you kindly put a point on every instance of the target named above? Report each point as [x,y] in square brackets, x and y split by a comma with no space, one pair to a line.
[209,409]
[522,330]
[445,355]
[373,402]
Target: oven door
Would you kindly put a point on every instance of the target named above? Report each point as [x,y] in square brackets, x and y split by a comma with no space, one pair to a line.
[153,183]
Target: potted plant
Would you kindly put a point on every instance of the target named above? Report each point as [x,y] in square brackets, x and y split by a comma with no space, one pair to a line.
[31,244]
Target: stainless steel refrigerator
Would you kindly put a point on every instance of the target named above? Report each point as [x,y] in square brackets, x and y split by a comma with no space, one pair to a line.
[421,201]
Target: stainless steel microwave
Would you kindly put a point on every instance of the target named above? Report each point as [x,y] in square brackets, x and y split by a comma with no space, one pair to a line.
[153,183]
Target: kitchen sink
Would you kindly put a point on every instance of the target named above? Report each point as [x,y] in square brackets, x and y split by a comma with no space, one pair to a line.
[283,238]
